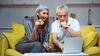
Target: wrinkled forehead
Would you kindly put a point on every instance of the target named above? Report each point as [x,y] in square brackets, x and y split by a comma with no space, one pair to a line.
[61,11]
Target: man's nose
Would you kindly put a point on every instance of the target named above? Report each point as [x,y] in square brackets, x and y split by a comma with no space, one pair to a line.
[62,17]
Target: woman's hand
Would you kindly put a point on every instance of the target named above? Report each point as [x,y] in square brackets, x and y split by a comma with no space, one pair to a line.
[37,24]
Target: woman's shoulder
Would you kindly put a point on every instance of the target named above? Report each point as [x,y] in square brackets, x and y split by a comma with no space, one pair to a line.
[28,18]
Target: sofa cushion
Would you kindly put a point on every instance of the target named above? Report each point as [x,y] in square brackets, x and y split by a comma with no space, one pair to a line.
[18,28]
[12,52]
[3,45]
[86,30]
[0,44]
[99,41]
[92,50]
[90,37]
[13,38]
[91,40]
[50,39]
[17,33]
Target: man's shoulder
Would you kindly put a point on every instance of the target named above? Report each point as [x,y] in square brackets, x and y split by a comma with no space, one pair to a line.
[55,22]
[72,20]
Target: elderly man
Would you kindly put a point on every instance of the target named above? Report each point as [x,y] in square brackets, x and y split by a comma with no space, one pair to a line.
[63,27]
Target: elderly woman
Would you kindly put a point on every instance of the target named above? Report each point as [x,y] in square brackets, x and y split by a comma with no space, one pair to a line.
[37,32]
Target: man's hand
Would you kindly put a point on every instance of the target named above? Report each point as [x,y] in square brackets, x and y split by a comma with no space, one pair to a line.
[47,47]
[61,46]
[64,24]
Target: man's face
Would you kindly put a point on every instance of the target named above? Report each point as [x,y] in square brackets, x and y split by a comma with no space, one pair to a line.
[62,14]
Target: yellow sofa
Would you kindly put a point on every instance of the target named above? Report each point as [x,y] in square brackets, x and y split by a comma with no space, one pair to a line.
[91,40]
[9,40]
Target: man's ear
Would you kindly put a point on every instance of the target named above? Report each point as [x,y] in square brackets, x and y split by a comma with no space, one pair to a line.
[56,18]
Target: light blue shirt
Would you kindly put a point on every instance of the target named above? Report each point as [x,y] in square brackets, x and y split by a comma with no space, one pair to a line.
[61,32]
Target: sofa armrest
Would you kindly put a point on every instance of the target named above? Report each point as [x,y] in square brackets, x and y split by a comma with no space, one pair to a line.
[4,45]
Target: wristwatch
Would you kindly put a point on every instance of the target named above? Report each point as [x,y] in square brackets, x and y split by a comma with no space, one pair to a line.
[67,26]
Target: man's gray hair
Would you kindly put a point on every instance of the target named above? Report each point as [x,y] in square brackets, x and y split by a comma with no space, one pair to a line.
[61,7]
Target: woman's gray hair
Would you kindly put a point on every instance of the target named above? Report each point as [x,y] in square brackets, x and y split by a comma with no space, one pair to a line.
[39,9]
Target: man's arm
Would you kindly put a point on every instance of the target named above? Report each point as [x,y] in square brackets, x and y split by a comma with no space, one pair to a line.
[56,41]
[73,33]
[54,38]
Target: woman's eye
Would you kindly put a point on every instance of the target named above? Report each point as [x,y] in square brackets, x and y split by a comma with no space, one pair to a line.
[43,13]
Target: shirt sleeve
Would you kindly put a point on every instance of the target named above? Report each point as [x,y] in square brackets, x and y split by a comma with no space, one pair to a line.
[28,28]
[53,27]
[76,25]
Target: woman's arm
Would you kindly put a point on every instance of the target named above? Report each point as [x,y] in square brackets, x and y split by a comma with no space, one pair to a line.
[30,29]
[34,33]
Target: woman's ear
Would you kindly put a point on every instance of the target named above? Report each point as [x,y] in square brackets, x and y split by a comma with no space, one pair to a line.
[37,13]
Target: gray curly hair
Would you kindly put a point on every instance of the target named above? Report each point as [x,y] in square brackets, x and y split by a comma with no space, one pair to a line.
[61,7]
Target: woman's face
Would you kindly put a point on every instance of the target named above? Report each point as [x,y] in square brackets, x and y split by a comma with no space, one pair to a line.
[43,14]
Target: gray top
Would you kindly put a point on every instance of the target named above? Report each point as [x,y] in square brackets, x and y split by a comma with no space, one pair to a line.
[42,36]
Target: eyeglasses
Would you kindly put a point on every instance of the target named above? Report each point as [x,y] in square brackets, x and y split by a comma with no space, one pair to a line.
[62,16]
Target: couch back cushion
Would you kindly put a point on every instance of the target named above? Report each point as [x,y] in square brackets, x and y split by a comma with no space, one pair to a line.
[90,37]
[86,30]
[91,40]
[92,50]
[0,44]
[12,38]
[99,41]
[17,33]
[18,28]
[50,39]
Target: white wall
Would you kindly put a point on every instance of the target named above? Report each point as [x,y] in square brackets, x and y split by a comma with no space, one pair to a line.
[8,15]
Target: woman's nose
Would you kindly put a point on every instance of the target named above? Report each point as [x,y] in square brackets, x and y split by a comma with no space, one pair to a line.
[46,15]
